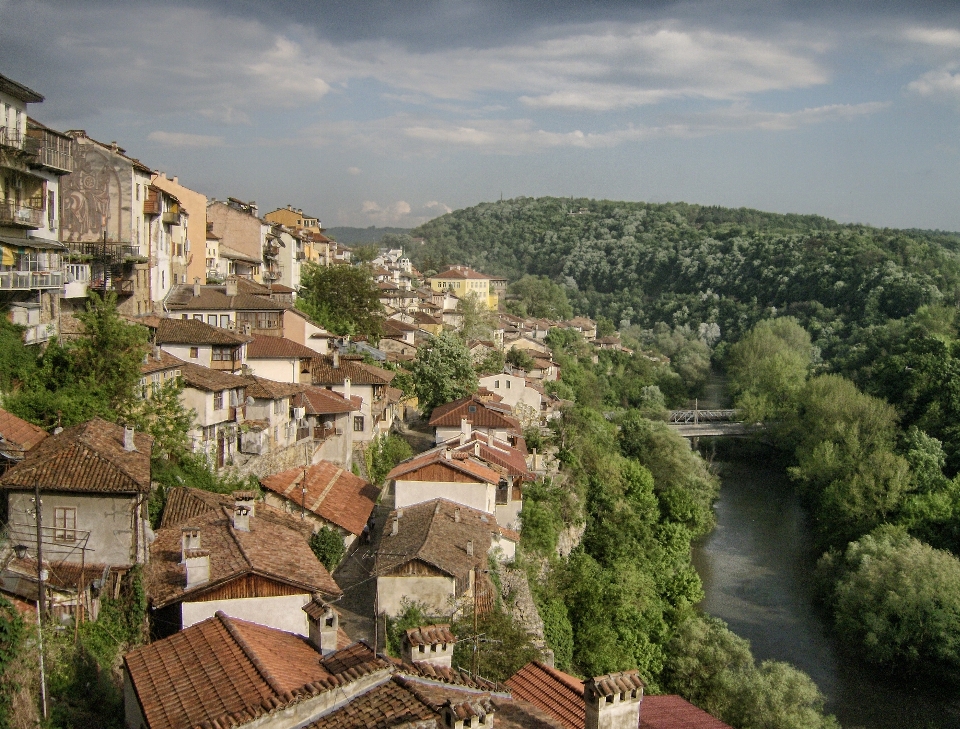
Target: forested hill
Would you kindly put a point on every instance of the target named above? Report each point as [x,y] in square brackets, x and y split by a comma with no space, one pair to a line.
[688,264]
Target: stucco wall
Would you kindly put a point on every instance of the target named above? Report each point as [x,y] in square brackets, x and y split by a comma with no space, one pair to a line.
[436,592]
[182,351]
[132,716]
[282,612]
[236,229]
[508,515]
[195,205]
[111,521]
[278,370]
[481,496]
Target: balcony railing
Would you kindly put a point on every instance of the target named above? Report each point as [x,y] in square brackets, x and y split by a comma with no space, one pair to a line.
[50,152]
[13,213]
[151,203]
[38,334]
[123,286]
[27,280]
[10,137]
[171,217]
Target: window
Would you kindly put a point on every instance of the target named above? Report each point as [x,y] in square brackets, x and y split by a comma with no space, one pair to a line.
[212,319]
[218,400]
[64,524]
[185,316]
[222,354]
[277,407]
[225,321]
[357,423]
[198,317]
[51,209]
[508,384]
[194,352]
[496,384]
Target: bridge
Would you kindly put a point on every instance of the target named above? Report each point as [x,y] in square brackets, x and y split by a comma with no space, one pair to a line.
[698,423]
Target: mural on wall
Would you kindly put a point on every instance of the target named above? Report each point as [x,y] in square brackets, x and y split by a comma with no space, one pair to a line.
[91,196]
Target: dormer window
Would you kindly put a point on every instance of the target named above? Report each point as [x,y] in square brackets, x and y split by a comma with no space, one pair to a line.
[472,409]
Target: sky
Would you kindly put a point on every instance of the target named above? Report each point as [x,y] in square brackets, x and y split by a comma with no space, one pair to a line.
[392,112]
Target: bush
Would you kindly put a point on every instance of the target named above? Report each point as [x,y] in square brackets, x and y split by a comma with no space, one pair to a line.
[327,544]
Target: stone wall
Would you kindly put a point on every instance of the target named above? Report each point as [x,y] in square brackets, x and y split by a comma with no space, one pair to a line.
[295,456]
[518,601]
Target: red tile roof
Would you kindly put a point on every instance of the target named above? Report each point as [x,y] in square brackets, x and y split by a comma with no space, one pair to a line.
[462,272]
[18,436]
[264,347]
[194,331]
[159,361]
[324,373]
[204,378]
[484,414]
[224,672]
[320,401]
[430,634]
[261,388]
[87,458]
[332,493]
[496,452]
[561,695]
[462,463]
[271,549]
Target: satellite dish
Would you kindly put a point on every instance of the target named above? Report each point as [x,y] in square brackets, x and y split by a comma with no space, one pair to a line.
[250,401]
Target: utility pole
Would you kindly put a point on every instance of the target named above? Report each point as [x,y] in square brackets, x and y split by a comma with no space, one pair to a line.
[41,596]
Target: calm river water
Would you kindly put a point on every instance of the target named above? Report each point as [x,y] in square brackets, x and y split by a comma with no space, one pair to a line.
[756,570]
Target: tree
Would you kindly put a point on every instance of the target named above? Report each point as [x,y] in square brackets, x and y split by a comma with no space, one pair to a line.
[768,367]
[385,453]
[520,358]
[477,321]
[542,298]
[327,544]
[442,372]
[898,600]
[342,299]
[160,413]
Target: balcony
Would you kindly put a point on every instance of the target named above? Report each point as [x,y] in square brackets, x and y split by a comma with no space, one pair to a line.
[29,280]
[38,334]
[10,137]
[123,286]
[23,216]
[151,203]
[50,151]
[171,217]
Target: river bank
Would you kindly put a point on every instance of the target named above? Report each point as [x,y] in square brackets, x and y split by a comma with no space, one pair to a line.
[757,572]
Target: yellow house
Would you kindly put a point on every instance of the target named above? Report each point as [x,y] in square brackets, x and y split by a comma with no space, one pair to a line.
[294,218]
[463,281]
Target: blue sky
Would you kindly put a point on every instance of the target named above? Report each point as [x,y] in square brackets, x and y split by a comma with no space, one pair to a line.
[390,113]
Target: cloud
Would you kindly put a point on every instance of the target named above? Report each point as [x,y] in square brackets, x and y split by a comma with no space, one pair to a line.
[180,139]
[942,83]
[396,213]
[354,171]
[434,204]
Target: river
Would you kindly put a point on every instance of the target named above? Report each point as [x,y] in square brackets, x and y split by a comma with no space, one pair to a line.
[756,568]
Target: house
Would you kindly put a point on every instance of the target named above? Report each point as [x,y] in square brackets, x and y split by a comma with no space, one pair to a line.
[464,281]
[328,415]
[17,437]
[217,398]
[94,479]
[271,422]
[544,369]
[483,415]
[325,495]
[526,401]
[241,236]
[298,328]
[248,560]
[528,345]
[227,306]
[612,701]
[433,553]
[279,359]
[33,159]
[586,326]
[194,207]
[204,344]
[159,368]
[350,377]
[228,672]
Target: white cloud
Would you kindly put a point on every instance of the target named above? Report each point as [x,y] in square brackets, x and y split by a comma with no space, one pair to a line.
[939,83]
[397,213]
[180,139]
[938,37]
[435,204]
[354,171]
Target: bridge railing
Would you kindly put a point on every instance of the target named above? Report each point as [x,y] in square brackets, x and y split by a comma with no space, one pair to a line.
[702,416]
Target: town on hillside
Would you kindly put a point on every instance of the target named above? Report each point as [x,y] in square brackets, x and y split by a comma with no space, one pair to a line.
[345,532]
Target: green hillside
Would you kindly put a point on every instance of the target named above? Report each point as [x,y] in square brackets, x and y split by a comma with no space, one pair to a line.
[689,264]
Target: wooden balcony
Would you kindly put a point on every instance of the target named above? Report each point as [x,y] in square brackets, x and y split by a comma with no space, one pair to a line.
[20,215]
[151,203]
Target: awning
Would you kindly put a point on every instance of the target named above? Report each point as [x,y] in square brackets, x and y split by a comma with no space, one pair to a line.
[35,243]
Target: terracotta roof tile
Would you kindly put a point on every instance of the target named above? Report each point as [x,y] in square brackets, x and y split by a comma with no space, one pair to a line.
[387,705]
[87,458]
[430,532]
[264,389]
[430,634]
[557,693]
[214,298]
[194,331]
[204,378]
[332,493]
[159,361]
[484,414]
[320,401]
[18,436]
[324,373]
[674,712]
[271,548]
[184,503]
[264,347]
[462,272]
[462,464]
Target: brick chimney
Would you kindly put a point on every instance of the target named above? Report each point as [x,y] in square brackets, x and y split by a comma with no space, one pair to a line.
[323,624]
[128,442]
[613,701]
[431,644]
[336,358]
[477,713]
[231,287]
[195,560]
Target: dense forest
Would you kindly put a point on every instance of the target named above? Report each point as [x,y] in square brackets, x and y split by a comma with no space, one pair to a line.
[688,264]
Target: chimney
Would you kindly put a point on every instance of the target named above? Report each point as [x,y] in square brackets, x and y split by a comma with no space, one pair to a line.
[197,562]
[196,288]
[456,515]
[476,449]
[176,180]
[346,388]
[156,353]
[469,547]
[242,511]
[128,443]
[336,358]
[323,625]
[189,539]
[476,713]
[231,287]
[613,701]
[431,644]
[466,430]
[394,526]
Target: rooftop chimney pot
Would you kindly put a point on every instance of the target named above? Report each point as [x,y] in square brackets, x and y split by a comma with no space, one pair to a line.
[128,442]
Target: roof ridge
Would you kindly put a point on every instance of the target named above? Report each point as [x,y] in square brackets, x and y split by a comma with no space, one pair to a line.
[82,439]
[326,491]
[251,655]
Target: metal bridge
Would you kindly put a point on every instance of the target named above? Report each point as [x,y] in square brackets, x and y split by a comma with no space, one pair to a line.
[698,423]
